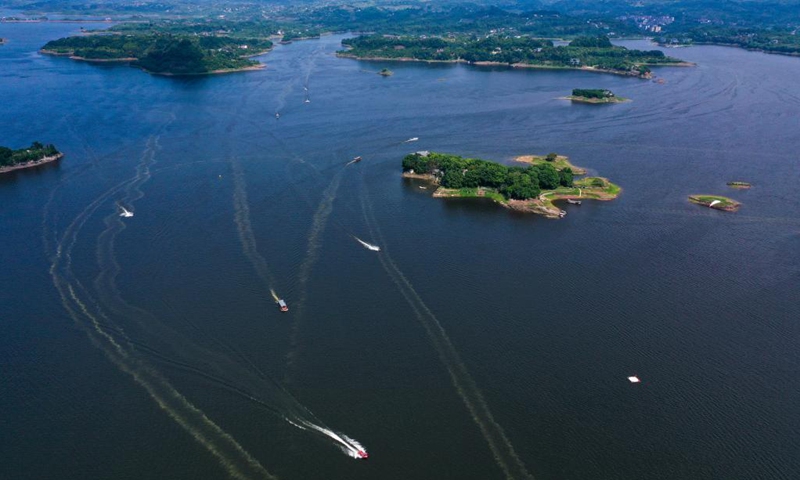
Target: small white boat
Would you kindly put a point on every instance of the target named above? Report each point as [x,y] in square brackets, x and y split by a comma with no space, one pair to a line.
[634,379]
[307,101]
[369,246]
[277,115]
[412,139]
[125,213]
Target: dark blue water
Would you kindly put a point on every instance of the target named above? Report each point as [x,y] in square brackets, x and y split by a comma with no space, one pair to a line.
[477,344]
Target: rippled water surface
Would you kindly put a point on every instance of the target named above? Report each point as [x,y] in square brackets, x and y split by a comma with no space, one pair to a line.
[477,344]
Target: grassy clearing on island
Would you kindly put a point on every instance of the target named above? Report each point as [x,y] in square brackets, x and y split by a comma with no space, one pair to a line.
[559,162]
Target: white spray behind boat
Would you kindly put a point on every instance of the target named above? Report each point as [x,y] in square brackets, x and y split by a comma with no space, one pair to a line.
[369,246]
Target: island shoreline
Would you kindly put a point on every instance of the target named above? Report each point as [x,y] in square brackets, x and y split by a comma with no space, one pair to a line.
[541,205]
[34,163]
[647,76]
[130,60]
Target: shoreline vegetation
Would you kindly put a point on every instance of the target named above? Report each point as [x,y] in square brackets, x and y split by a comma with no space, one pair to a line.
[532,189]
[164,54]
[594,96]
[775,41]
[37,154]
[717,202]
[594,54]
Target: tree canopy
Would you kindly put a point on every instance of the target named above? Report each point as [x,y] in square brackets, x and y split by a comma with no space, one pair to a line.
[165,53]
[36,151]
[520,183]
[597,52]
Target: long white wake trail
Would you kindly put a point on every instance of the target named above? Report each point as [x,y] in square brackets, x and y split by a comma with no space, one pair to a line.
[349,446]
[501,447]
[369,246]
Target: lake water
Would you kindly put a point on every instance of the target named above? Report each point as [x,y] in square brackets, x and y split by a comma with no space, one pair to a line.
[478,344]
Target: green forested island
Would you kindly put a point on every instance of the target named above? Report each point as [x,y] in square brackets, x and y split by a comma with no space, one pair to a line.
[596,96]
[588,53]
[531,189]
[36,154]
[165,53]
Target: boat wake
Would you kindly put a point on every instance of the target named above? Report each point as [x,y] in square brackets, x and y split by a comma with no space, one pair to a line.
[503,451]
[368,246]
[412,139]
[349,446]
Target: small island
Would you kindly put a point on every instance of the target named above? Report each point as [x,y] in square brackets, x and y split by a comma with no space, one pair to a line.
[716,202]
[595,96]
[37,154]
[530,189]
[385,72]
[164,54]
[739,185]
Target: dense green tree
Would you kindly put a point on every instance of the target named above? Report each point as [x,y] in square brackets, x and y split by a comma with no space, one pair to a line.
[565,177]
[5,156]
[520,186]
[453,179]
[548,176]
[491,174]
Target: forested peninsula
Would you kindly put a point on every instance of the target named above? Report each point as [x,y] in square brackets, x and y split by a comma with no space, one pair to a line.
[532,188]
[165,54]
[36,154]
[780,40]
[583,53]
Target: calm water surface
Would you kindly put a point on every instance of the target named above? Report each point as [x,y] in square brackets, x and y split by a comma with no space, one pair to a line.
[150,347]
